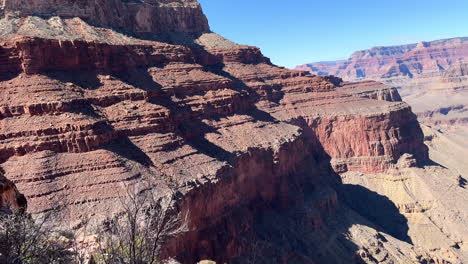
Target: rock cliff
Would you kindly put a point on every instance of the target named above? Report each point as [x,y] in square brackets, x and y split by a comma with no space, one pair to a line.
[252,150]
[138,17]
[10,197]
[395,64]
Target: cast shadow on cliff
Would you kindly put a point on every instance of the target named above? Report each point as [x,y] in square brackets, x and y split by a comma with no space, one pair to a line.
[241,86]
[87,110]
[89,80]
[139,78]
[430,162]
[124,147]
[192,129]
[84,79]
[376,208]
[314,234]
[8,76]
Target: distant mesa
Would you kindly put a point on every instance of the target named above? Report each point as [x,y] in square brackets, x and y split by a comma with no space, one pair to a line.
[430,76]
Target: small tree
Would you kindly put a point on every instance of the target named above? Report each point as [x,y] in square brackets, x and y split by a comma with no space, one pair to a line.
[24,241]
[139,234]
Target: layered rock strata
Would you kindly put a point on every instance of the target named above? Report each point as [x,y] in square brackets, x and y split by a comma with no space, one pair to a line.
[250,149]
[139,17]
[395,64]
[430,76]
[440,100]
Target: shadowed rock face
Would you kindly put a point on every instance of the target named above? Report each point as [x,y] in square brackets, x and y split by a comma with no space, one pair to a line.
[10,197]
[251,149]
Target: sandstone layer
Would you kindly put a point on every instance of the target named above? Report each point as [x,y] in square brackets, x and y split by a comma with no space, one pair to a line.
[252,150]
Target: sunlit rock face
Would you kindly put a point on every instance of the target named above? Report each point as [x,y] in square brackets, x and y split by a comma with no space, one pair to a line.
[148,16]
[396,64]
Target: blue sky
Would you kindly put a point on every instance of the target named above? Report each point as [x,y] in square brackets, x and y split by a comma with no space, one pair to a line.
[293,32]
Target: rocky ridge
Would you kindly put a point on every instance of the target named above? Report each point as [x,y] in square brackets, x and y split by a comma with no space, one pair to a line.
[251,149]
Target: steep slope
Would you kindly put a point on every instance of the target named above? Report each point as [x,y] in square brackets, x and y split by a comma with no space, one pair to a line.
[250,149]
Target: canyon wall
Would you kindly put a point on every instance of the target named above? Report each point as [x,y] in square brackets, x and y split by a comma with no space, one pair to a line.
[430,76]
[251,150]
[396,63]
[149,16]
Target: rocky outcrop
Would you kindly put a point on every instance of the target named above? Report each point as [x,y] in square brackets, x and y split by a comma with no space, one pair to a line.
[429,198]
[10,198]
[372,90]
[138,17]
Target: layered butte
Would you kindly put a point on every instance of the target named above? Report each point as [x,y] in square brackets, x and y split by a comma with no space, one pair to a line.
[252,150]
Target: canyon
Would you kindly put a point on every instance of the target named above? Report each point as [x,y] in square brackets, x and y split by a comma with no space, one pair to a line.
[430,76]
[270,164]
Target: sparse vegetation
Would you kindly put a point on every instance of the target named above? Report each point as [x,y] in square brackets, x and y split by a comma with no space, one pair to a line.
[23,241]
[136,237]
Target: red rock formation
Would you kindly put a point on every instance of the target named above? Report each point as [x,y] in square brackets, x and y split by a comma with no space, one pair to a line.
[149,16]
[431,77]
[232,134]
[10,197]
[394,63]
